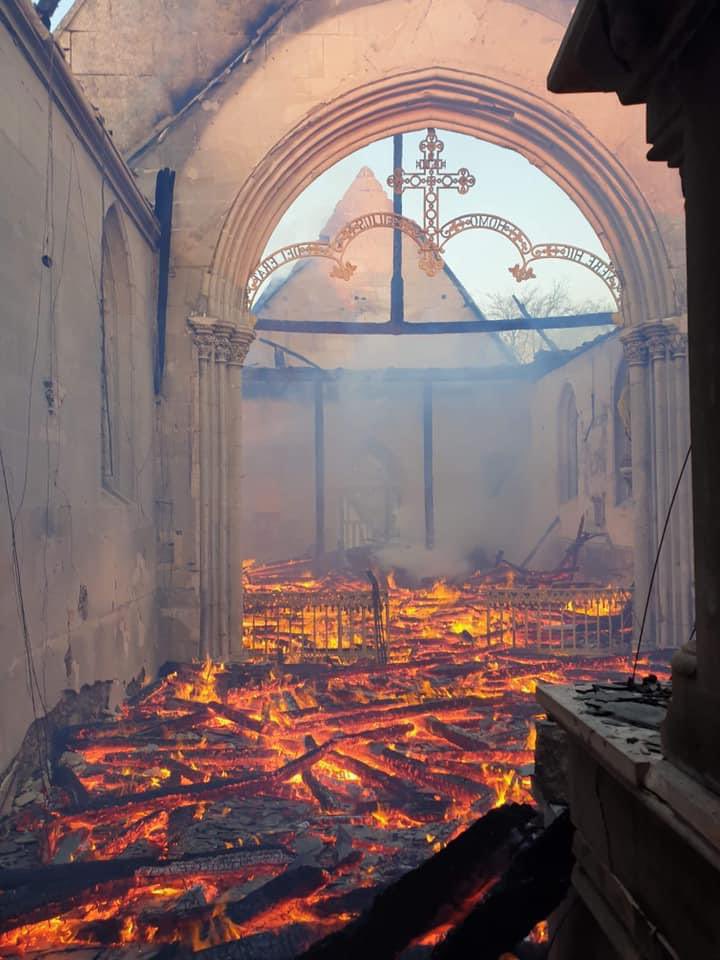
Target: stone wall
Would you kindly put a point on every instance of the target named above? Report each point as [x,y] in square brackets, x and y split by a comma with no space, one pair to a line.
[592,377]
[86,556]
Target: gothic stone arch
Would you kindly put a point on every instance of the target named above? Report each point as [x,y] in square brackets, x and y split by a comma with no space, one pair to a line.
[449,99]
[466,103]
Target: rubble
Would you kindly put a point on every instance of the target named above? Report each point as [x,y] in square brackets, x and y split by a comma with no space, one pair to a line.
[247,810]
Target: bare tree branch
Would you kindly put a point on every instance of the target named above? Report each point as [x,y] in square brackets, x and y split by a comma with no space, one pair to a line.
[545,301]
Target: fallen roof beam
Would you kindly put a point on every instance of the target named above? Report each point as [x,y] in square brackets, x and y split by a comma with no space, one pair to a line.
[452,326]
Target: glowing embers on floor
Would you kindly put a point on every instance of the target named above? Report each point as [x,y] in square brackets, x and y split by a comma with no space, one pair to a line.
[268,803]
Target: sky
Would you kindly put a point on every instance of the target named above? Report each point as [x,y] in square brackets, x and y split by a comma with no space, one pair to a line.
[62,9]
[507,185]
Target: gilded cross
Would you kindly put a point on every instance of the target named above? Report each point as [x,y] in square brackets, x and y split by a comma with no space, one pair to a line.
[431,178]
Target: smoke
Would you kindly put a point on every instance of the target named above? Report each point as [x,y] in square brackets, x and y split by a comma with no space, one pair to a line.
[419,563]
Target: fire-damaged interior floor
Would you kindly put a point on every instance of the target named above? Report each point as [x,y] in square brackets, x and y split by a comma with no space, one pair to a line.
[289,805]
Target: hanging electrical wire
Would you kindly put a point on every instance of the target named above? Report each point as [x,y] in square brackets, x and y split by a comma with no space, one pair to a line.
[655,565]
[37,699]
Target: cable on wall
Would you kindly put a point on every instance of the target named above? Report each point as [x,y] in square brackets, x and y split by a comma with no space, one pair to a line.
[631,682]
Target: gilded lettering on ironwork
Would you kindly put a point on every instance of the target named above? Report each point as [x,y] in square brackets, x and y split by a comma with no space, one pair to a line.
[488,221]
[288,254]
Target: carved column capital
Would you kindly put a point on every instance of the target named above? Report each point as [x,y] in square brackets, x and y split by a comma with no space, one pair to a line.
[223,336]
[202,330]
[635,348]
[678,345]
[658,339]
[240,343]
[220,340]
[242,337]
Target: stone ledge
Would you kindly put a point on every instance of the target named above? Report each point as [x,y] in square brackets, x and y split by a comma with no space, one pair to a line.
[633,753]
[626,749]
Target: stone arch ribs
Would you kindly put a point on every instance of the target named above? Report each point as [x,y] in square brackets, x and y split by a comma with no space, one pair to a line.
[548,137]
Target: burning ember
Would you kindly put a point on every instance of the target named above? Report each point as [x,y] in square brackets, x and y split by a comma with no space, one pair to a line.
[269,800]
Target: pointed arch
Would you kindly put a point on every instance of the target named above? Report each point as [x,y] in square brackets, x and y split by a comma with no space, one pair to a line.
[480,106]
[116,366]
[622,435]
[568,459]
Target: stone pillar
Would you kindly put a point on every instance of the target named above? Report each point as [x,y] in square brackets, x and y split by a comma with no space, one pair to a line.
[691,733]
[214,506]
[636,354]
[221,349]
[240,341]
[658,337]
[204,340]
[222,355]
[682,541]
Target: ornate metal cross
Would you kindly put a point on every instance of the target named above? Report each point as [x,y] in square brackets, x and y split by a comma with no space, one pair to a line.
[431,179]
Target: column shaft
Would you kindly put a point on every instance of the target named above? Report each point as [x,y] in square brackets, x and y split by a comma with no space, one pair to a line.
[636,354]
[214,511]
[204,344]
[223,515]
[684,504]
[663,587]
[239,345]
[222,348]
[678,636]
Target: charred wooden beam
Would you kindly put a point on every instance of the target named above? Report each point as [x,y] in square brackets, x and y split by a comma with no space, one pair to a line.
[417,771]
[300,882]
[350,718]
[456,735]
[249,785]
[282,944]
[403,796]
[528,892]
[324,797]
[290,885]
[416,903]
[451,326]
[35,894]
